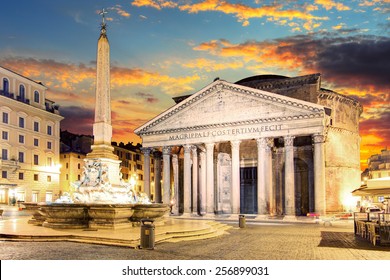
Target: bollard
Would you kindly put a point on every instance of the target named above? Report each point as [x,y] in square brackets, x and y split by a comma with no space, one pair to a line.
[241,221]
[147,234]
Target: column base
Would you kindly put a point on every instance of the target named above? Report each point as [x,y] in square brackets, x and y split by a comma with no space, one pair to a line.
[209,216]
[261,217]
[290,218]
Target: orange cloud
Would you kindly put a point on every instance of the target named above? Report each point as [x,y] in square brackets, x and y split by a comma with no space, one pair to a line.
[171,85]
[244,12]
[330,4]
[265,54]
[211,65]
[120,11]
[157,4]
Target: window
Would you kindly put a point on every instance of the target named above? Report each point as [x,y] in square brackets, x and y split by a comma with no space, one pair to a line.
[4,135]
[5,117]
[4,174]
[21,175]
[48,178]
[35,177]
[22,93]
[67,177]
[21,139]
[137,157]
[49,196]
[36,126]
[78,177]
[21,196]
[4,154]
[78,166]
[21,157]
[36,96]
[140,177]
[36,142]
[36,160]
[49,132]
[21,122]
[49,145]
[35,196]
[5,85]
[49,161]
[139,166]
[67,165]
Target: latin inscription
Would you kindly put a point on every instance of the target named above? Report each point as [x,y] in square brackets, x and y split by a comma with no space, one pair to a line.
[226,132]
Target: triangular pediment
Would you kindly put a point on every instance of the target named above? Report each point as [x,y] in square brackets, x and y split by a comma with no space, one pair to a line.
[222,104]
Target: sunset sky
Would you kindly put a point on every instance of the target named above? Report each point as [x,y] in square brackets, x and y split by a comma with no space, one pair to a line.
[161,49]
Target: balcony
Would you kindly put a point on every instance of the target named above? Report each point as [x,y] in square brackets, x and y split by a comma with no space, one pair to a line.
[6,164]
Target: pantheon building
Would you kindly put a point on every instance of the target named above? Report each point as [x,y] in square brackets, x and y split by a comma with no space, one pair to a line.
[266,145]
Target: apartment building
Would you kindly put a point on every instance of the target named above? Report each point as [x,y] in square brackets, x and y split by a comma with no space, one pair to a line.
[29,142]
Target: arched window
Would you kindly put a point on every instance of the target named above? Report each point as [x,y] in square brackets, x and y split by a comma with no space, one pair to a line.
[36,96]
[22,93]
[5,85]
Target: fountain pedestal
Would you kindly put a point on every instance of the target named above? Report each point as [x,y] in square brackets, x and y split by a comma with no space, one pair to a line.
[73,216]
[110,216]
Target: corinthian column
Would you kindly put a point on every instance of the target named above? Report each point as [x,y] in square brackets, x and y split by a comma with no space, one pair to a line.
[195,180]
[319,174]
[235,176]
[269,176]
[157,176]
[210,178]
[261,176]
[146,152]
[175,167]
[166,174]
[289,176]
[202,183]
[187,179]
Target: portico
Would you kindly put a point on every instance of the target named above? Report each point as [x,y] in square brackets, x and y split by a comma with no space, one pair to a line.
[239,149]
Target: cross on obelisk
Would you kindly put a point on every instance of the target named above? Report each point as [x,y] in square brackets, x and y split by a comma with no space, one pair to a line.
[102,13]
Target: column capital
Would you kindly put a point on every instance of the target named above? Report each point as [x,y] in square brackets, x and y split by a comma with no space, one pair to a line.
[261,142]
[187,148]
[265,142]
[235,144]
[146,151]
[194,150]
[167,150]
[288,141]
[318,138]
[209,145]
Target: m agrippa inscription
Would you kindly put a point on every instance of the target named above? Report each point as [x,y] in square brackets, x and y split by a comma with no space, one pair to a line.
[226,132]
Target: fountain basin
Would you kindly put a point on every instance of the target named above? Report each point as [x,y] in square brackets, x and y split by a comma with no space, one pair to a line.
[98,216]
[149,211]
[33,209]
[110,216]
[64,215]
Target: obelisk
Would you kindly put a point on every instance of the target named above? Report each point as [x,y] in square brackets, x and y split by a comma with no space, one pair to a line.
[102,128]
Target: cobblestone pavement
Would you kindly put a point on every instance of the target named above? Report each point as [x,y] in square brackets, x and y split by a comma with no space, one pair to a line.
[255,242]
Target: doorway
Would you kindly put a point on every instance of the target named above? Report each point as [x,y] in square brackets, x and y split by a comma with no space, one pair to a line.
[248,190]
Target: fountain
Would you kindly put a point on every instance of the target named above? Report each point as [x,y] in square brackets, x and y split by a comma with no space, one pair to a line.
[102,200]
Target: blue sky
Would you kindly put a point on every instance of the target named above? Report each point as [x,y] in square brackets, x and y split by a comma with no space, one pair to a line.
[161,49]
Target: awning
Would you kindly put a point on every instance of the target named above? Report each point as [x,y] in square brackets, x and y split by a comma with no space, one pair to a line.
[379,186]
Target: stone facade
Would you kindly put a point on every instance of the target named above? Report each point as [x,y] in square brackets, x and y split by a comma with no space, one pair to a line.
[30,140]
[268,145]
